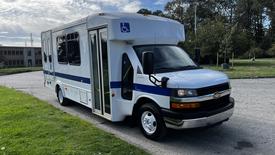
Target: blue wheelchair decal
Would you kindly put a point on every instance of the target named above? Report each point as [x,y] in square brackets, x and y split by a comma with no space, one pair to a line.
[125,27]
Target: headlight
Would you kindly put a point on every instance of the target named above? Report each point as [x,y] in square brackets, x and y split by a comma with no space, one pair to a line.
[185,93]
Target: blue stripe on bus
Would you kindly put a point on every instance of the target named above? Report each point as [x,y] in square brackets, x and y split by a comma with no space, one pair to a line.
[116,84]
[145,88]
[70,77]
[48,72]
[152,89]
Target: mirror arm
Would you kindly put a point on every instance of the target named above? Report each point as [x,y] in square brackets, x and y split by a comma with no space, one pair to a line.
[154,80]
[162,82]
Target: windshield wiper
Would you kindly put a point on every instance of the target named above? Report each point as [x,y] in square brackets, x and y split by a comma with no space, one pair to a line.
[189,67]
[163,68]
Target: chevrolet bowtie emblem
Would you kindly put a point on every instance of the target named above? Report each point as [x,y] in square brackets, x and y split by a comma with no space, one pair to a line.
[217,95]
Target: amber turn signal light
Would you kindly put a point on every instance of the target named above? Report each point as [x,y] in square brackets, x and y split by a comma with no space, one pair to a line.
[185,105]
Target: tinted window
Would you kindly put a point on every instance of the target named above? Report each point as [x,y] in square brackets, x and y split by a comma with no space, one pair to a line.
[49,51]
[104,52]
[95,70]
[61,49]
[167,58]
[73,49]
[127,78]
[44,51]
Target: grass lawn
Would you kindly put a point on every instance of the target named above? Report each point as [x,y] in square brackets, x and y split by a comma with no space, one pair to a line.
[260,68]
[7,71]
[31,126]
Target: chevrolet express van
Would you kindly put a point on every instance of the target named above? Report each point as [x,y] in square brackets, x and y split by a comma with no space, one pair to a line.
[127,64]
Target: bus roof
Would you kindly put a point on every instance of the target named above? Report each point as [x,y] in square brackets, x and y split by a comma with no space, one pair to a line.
[133,27]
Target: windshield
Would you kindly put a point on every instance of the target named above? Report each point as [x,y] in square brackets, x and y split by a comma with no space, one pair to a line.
[167,58]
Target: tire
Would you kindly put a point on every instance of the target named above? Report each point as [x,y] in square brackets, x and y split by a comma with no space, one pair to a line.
[151,122]
[61,99]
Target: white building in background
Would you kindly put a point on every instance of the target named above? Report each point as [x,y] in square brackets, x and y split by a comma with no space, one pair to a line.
[12,56]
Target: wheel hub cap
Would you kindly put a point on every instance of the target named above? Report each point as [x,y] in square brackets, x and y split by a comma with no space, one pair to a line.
[148,122]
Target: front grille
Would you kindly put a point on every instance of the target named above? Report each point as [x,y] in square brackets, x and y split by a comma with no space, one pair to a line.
[215,103]
[212,89]
[210,105]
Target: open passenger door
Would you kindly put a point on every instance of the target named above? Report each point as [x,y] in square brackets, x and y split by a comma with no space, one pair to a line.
[100,72]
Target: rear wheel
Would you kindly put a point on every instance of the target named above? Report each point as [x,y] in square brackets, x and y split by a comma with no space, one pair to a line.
[151,122]
[61,99]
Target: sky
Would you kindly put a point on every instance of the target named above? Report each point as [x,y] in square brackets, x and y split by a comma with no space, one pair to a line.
[20,18]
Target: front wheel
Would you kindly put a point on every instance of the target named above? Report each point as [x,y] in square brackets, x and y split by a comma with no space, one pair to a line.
[151,122]
[61,99]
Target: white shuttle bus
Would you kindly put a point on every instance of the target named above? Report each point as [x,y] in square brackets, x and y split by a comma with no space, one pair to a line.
[123,64]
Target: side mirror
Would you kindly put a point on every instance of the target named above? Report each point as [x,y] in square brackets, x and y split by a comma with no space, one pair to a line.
[148,62]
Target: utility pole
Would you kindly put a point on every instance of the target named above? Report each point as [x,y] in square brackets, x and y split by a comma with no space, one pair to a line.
[31,40]
[197,50]
[196,21]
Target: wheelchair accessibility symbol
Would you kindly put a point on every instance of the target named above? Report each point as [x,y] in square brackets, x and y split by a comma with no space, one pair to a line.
[125,27]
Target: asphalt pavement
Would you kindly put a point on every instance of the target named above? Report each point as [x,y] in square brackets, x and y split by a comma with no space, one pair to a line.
[251,129]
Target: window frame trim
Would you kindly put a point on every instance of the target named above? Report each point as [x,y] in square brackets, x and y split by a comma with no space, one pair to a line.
[57,43]
[122,94]
[66,49]
[78,40]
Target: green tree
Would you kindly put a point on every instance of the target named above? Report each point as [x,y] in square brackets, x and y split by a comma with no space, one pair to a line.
[270,11]
[225,26]
[241,43]
[210,37]
[144,11]
[158,13]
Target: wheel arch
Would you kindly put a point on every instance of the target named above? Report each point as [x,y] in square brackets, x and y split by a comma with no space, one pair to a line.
[57,86]
[141,101]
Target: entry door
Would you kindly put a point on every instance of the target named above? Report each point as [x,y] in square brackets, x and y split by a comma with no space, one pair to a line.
[100,72]
[47,52]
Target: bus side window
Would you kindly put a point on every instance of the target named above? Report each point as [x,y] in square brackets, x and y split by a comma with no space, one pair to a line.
[44,51]
[127,78]
[61,50]
[73,49]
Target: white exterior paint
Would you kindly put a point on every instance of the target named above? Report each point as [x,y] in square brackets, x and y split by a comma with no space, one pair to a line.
[143,30]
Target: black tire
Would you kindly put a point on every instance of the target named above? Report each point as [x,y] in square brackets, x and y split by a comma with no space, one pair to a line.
[159,127]
[61,99]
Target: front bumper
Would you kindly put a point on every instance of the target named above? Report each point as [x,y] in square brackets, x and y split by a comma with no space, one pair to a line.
[180,120]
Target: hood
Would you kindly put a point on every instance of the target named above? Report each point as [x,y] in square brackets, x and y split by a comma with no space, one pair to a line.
[193,79]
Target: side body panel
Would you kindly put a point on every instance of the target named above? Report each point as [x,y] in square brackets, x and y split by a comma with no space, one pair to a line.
[142,87]
[47,59]
[74,80]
